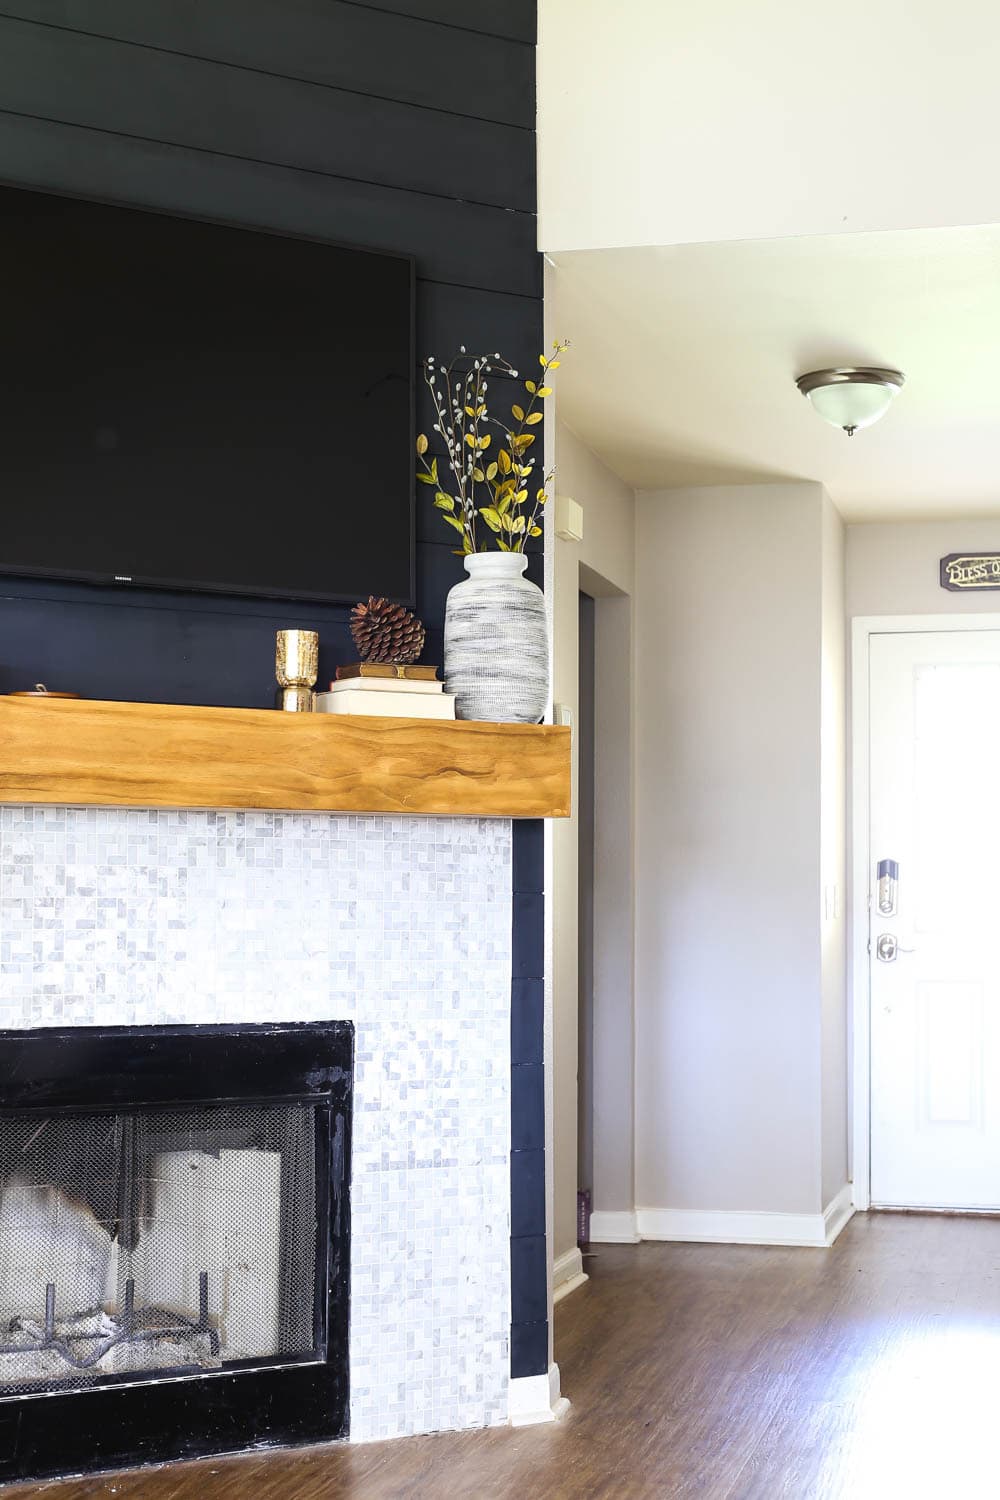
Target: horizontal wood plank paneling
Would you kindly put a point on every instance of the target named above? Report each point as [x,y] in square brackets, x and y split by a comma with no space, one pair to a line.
[155,755]
[510,18]
[99,643]
[335,42]
[211,106]
[452,241]
[448,316]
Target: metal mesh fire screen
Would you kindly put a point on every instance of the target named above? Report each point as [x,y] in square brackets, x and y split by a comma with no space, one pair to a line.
[152,1243]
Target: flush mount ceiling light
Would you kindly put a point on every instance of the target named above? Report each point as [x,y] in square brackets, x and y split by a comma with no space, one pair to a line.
[851,398]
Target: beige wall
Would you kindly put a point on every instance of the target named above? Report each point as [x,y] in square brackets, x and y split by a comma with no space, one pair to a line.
[724,120]
[730,1014]
[892,568]
[604,564]
[739,1050]
[833,858]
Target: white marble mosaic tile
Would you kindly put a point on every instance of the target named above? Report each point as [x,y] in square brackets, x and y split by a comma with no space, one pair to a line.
[120,917]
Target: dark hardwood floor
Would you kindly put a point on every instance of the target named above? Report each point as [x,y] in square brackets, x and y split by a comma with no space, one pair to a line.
[869,1370]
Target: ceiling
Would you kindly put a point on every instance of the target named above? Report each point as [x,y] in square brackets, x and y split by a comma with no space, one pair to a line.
[683,364]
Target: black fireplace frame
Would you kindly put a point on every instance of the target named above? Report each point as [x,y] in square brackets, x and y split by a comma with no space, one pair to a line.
[111,1426]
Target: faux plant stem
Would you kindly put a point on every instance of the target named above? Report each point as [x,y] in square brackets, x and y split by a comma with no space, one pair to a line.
[462,420]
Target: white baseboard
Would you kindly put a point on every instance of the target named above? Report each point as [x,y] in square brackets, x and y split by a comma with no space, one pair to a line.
[567,1274]
[724,1227]
[742,1228]
[613,1227]
[838,1212]
[536,1398]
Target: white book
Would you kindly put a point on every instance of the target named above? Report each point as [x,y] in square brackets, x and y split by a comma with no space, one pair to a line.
[388,705]
[385,685]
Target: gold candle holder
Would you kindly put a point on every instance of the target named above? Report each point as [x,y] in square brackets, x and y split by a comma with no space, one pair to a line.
[296,663]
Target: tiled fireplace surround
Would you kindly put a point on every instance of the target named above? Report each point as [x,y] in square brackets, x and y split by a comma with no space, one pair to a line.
[403,925]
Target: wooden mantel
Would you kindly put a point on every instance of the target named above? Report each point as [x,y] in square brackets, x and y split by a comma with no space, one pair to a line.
[79,752]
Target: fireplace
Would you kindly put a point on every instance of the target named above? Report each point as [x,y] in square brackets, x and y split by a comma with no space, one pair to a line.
[148,919]
[174,1241]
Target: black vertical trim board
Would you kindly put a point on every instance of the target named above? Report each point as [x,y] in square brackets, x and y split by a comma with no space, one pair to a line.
[529,1349]
[363,122]
[527,1021]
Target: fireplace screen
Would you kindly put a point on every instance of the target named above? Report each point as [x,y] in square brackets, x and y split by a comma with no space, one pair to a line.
[148,1244]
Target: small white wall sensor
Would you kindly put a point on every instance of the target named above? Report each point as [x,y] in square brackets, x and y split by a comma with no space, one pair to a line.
[569,519]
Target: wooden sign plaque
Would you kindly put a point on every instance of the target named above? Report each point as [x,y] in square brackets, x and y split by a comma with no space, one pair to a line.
[961,571]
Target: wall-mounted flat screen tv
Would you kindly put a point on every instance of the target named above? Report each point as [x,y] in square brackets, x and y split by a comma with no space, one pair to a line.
[188,405]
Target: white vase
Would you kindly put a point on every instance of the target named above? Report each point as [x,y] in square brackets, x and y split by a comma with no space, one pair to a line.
[496,642]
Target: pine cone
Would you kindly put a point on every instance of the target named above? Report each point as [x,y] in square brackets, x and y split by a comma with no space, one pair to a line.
[386,632]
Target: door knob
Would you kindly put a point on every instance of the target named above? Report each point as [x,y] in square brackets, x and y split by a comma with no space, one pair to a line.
[887,947]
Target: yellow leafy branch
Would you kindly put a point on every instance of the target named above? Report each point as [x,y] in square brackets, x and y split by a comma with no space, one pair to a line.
[459,392]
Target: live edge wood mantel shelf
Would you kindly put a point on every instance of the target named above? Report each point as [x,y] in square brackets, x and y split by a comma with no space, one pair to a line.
[79,752]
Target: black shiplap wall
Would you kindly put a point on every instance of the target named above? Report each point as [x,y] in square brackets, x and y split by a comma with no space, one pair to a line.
[405,126]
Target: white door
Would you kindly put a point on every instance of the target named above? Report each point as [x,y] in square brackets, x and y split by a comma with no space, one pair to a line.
[935,1005]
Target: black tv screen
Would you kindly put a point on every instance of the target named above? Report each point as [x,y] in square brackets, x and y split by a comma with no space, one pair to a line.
[189,405]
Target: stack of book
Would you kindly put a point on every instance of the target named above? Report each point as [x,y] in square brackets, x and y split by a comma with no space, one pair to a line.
[383,688]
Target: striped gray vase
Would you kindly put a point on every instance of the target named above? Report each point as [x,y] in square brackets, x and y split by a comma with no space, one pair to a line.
[496,642]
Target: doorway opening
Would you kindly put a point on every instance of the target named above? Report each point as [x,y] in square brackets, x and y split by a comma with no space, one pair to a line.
[926,887]
[605,915]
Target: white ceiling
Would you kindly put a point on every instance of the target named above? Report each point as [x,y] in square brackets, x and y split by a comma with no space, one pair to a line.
[683,364]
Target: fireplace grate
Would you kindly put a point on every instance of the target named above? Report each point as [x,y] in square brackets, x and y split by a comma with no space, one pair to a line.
[85,1340]
[148,1243]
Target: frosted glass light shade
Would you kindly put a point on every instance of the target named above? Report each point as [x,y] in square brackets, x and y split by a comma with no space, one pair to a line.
[850,398]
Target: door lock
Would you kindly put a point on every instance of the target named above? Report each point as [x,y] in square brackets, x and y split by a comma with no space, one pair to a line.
[888,887]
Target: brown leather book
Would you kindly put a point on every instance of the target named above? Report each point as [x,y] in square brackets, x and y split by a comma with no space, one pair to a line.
[398,670]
